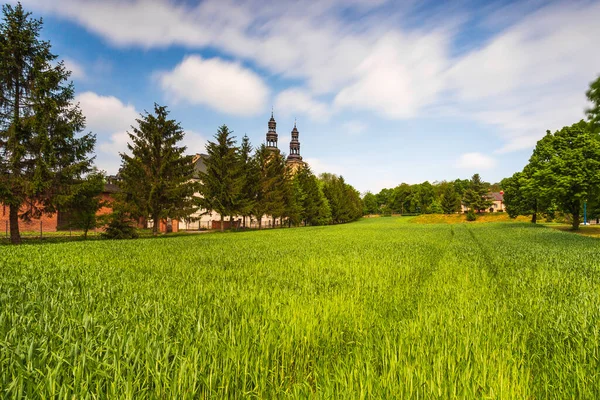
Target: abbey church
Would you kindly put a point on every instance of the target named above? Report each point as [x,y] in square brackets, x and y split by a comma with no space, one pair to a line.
[294,159]
[205,219]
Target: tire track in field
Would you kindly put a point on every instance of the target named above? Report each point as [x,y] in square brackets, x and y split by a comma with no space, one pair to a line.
[490,265]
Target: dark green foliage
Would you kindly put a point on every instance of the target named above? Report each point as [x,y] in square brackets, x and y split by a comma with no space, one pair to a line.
[344,201]
[471,216]
[120,226]
[223,181]
[157,178]
[249,176]
[566,168]
[476,196]
[41,155]
[522,196]
[315,207]
[401,198]
[593,113]
[370,205]
[270,193]
[450,202]
[84,202]
[436,208]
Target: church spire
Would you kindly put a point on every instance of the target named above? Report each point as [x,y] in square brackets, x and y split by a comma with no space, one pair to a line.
[272,133]
[294,146]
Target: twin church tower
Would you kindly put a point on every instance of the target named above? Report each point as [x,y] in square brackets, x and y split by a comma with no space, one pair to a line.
[294,159]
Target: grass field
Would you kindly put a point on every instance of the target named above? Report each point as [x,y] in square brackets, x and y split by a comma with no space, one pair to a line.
[380,308]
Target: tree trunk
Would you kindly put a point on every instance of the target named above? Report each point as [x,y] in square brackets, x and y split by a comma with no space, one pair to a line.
[222,224]
[575,213]
[534,218]
[244,222]
[155,225]
[15,236]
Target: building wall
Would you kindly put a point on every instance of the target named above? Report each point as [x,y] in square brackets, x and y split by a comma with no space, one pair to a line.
[48,222]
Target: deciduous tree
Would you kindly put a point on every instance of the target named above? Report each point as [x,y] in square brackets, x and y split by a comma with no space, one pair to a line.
[566,167]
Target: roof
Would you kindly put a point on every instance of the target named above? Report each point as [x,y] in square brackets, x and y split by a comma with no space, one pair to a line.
[496,196]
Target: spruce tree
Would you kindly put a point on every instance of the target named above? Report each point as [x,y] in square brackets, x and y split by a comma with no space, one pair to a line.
[222,182]
[269,187]
[249,176]
[450,202]
[476,196]
[41,153]
[157,178]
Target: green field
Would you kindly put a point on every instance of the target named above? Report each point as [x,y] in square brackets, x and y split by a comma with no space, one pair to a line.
[379,308]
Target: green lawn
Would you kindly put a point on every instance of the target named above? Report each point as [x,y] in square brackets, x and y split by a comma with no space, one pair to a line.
[380,308]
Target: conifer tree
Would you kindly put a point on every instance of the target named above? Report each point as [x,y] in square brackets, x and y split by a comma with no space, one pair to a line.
[222,182]
[41,153]
[157,178]
[269,193]
[476,197]
[249,176]
[450,202]
[83,203]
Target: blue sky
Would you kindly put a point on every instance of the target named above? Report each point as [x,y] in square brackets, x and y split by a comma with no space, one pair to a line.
[383,92]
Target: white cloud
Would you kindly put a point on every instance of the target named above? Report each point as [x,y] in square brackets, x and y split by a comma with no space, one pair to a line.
[297,101]
[354,128]
[109,118]
[475,161]
[195,142]
[224,86]
[106,113]
[528,78]
[401,75]
[77,70]
[532,76]
[318,167]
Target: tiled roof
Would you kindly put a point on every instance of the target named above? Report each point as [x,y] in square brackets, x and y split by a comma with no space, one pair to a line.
[496,196]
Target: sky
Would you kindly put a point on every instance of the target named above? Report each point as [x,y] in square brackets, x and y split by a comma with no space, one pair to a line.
[383,92]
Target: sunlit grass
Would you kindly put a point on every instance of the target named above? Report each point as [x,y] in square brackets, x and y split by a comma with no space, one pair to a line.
[462,218]
[380,308]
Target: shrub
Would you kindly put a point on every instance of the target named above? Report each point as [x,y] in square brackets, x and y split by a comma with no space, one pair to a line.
[471,215]
[120,226]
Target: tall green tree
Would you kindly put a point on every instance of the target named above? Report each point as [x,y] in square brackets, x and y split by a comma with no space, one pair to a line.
[84,202]
[158,177]
[249,177]
[522,195]
[269,188]
[566,167]
[41,153]
[450,202]
[370,204]
[315,207]
[593,113]
[476,196]
[223,181]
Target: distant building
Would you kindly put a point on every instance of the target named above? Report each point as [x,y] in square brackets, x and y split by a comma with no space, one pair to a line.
[205,219]
[497,199]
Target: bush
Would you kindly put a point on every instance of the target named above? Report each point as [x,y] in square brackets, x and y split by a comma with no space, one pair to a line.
[120,226]
[471,215]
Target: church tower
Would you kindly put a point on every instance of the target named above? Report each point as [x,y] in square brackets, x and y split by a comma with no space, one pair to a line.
[294,159]
[294,146]
[272,133]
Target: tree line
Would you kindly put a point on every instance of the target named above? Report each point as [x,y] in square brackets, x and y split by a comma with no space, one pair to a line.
[563,172]
[443,197]
[47,162]
[252,183]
